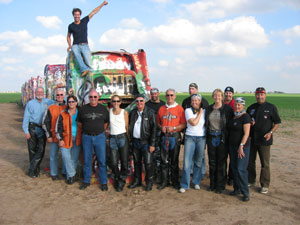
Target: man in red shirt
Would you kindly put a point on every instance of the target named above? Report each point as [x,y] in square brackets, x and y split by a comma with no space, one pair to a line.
[170,120]
[229,100]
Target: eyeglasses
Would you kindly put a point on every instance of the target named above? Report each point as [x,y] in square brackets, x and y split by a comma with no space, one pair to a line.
[139,100]
[71,101]
[93,96]
[59,94]
[170,95]
[114,101]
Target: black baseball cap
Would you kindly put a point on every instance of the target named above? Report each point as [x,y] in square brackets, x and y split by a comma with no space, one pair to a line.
[154,90]
[260,90]
[229,89]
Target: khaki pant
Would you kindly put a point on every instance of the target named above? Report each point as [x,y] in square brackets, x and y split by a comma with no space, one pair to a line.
[264,156]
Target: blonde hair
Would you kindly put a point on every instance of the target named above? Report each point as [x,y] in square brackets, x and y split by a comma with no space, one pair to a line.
[216,91]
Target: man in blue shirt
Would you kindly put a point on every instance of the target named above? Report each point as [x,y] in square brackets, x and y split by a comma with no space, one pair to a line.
[80,47]
[32,127]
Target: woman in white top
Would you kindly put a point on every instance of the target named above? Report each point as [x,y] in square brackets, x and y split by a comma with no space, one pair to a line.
[118,142]
[194,144]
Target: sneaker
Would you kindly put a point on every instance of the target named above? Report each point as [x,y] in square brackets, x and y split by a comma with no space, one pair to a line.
[264,190]
[251,184]
[181,190]
[197,187]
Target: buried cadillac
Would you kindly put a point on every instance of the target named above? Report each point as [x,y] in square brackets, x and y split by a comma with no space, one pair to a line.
[121,73]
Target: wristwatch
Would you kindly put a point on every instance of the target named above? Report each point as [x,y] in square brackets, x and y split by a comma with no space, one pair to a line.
[174,128]
[241,144]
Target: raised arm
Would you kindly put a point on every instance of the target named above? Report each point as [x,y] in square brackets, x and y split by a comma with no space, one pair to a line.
[69,41]
[96,10]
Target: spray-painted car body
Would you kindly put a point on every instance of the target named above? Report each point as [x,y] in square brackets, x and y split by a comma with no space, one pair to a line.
[55,76]
[121,73]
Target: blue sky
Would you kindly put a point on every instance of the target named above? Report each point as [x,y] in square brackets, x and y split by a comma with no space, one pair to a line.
[215,43]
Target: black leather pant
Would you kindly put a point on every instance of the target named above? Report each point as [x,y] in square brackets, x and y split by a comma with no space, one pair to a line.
[36,149]
[119,150]
[141,151]
[217,157]
[170,159]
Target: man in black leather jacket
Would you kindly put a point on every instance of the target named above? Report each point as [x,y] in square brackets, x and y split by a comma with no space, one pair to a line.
[142,134]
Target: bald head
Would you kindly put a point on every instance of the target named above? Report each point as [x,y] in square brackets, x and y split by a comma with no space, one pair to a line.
[93,97]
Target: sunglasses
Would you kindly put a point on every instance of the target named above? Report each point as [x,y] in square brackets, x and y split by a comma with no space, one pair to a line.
[139,100]
[93,96]
[59,94]
[114,101]
[170,95]
[71,101]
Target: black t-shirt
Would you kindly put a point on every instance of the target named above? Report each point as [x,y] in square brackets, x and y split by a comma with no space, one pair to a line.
[93,118]
[236,129]
[79,31]
[265,116]
[187,103]
[155,106]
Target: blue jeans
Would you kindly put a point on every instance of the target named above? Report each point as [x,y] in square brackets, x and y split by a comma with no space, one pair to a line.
[53,160]
[70,159]
[194,147]
[239,169]
[90,145]
[82,53]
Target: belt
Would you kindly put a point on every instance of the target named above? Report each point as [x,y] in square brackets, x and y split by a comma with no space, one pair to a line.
[172,134]
[82,43]
[35,124]
[91,134]
[118,135]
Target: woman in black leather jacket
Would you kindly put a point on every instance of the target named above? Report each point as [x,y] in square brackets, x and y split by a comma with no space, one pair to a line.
[217,116]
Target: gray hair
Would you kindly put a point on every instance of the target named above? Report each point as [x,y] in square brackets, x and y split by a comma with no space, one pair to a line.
[197,96]
[171,89]
[60,89]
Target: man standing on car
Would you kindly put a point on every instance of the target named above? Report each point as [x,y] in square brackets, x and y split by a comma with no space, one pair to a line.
[265,121]
[170,120]
[94,119]
[155,103]
[32,127]
[80,47]
[49,123]
[142,133]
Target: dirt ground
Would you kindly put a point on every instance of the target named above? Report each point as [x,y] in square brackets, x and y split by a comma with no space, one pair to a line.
[42,201]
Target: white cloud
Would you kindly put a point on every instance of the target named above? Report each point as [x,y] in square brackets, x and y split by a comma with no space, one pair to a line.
[49,21]
[15,37]
[289,34]
[52,59]
[231,37]
[293,64]
[40,45]
[207,9]
[10,61]
[4,48]
[5,1]
[163,63]
[131,23]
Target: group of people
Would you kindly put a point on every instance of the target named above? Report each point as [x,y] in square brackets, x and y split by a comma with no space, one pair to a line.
[153,133]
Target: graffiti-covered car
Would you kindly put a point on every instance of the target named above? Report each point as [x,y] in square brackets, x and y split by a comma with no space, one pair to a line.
[121,73]
[55,76]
